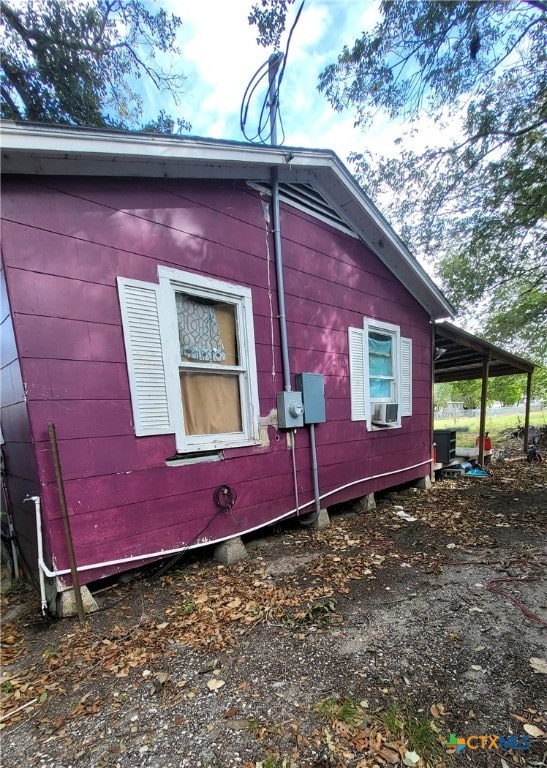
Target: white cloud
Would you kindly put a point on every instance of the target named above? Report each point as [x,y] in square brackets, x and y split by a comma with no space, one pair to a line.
[219,56]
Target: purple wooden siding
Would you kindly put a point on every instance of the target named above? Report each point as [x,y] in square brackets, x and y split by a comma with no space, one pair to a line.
[18,450]
[66,241]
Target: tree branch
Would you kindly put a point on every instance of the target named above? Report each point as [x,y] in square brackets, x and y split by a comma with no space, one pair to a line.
[536,4]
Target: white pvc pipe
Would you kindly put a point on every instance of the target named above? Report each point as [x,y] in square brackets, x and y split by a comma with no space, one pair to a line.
[38,516]
[165,552]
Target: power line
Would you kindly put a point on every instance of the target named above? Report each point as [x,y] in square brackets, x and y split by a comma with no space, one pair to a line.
[274,70]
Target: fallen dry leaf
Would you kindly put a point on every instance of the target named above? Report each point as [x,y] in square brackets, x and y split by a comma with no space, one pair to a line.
[411,759]
[390,756]
[437,710]
[539,665]
[214,684]
[533,730]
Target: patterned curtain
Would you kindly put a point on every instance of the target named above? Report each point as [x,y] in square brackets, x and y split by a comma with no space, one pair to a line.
[199,333]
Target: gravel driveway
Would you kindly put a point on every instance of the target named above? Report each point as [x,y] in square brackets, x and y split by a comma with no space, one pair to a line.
[366,644]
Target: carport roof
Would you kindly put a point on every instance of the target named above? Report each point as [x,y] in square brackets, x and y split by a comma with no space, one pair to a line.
[460,356]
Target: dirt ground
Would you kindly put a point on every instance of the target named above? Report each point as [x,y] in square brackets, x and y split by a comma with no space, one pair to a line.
[366,644]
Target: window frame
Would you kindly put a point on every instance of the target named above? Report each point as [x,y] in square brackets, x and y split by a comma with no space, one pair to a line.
[359,370]
[394,333]
[172,281]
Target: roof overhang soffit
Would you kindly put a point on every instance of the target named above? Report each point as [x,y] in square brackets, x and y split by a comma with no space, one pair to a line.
[52,150]
[461,357]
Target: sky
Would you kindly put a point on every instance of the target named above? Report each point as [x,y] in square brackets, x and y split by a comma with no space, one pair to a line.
[219,56]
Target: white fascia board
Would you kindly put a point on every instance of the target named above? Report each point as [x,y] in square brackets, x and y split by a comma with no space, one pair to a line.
[44,150]
[374,230]
[21,142]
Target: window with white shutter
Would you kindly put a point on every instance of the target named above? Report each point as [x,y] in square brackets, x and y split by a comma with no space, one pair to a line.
[380,363]
[405,387]
[357,373]
[190,353]
[145,357]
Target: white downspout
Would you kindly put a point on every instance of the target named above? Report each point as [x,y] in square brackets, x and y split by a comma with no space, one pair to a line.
[39,545]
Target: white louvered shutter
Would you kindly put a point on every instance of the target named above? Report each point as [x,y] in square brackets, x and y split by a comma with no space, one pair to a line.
[357,373]
[406,377]
[145,356]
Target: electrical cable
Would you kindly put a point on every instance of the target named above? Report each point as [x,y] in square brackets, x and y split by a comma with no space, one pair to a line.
[170,563]
[520,562]
[295,22]
[247,97]
[264,132]
[522,608]
[166,566]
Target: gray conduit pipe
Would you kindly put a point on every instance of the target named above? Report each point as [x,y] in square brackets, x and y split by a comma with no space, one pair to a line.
[275,61]
[311,519]
[278,254]
[280,282]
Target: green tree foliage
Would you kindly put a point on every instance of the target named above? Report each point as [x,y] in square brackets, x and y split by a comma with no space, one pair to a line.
[466,392]
[77,62]
[539,384]
[507,390]
[476,208]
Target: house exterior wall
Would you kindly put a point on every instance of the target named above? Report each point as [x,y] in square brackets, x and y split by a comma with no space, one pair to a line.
[66,240]
[19,462]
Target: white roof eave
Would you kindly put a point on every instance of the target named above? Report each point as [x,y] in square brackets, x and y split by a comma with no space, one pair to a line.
[54,150]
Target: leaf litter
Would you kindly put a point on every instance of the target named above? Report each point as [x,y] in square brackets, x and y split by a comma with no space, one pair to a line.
[265,647]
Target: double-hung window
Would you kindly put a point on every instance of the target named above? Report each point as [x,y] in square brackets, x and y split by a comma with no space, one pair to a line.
[191,359]
[380,374]
[382,361]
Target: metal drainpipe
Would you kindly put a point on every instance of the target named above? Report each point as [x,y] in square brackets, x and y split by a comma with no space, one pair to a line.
[274,64]
[285,348]
[285,364]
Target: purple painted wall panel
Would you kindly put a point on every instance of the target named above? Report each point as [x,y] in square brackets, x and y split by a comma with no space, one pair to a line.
[68,257]
[81,340]
[95,457]
[74,379]
[192,531]
[52,296]
[82,418]
[66,241]
[20,465]
[89,528]
[88,494]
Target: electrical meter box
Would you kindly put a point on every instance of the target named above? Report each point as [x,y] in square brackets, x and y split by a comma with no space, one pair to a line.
[290,410]
[312,386]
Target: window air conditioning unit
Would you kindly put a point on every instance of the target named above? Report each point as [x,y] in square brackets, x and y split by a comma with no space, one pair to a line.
[385,413]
